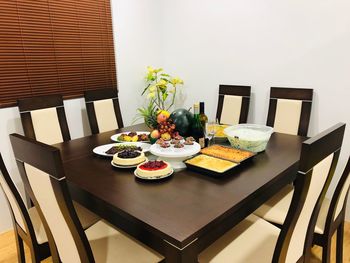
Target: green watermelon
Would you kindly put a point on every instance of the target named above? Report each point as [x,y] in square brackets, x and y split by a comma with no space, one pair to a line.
[183,120]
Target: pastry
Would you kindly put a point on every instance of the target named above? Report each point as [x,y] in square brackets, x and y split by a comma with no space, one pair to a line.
[153,169]
[228,153]
[211,163]
[129,157]
[178,144]
[165,145]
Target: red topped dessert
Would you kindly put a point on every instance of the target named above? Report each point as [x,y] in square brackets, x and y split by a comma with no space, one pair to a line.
[153,169]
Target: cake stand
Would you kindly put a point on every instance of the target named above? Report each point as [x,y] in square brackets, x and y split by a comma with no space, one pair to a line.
[175,156]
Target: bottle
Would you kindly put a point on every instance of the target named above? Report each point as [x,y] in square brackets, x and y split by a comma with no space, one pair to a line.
[197,128]
[202,117]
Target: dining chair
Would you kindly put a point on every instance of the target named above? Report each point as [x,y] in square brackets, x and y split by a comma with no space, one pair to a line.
[233,104]
[45,179]
[330,219]
[290,110]
[44,119]
[26,223]
[256,240]
[102,106]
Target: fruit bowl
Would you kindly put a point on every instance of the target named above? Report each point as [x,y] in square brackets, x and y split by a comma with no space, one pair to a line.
[251,137]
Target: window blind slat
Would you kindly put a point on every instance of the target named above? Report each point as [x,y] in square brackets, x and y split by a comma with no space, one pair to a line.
[55,47]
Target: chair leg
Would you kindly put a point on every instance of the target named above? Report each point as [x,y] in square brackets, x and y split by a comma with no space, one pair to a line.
[20,249]
[340,238]
[326,251]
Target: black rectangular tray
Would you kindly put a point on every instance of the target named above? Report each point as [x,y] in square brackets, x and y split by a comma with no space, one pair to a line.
[208,172]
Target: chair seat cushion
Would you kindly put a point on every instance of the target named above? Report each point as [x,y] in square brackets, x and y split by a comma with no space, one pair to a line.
[275,210]
[86,218]
[111,245]
[252,240]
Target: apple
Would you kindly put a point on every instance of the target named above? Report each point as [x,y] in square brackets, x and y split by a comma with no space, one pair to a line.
[161,117]
[155,134]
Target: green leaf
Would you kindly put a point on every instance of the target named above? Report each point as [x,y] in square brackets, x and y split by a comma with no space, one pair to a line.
[165,95]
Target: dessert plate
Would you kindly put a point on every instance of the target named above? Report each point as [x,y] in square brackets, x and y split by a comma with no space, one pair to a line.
[102,149]
[127,166]
[154,177]
[115,136]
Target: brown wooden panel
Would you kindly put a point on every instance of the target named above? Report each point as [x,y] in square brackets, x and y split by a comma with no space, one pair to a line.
[55,47]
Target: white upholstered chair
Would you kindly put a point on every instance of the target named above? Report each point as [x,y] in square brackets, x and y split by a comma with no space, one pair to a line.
[27,225]
[102,106]
[44,178]
[289,110]
[44,119]
[256,240]
[233,104]
[330,219]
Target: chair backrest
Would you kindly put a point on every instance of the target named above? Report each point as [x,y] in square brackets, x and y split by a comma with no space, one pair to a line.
[338,202]
[318,160]
[44,119]
[233,104]
[44,179]
[19,211]
[102,106]
[290,110]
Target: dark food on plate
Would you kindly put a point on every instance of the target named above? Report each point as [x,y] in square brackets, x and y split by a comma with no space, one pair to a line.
[127,154]
[118,148]
[178,137]
[179,145]
[189,141]
[165,145]
[228,153]
[174,141]
[211,163]
[133,137]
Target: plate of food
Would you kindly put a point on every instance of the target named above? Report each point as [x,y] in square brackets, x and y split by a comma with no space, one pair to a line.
[141,136]
[154,170]
[110,149]
[128,159]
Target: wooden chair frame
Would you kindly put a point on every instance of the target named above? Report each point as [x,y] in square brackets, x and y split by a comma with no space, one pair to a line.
[234,90]
[38,251]
[333,223]
[42,102]
[313,151]
[27,151]
[305,95]
[101,94]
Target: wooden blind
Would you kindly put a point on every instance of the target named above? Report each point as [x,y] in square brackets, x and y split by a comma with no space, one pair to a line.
[55,47]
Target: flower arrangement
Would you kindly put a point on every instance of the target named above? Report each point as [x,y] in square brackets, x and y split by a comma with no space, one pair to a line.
[161,89]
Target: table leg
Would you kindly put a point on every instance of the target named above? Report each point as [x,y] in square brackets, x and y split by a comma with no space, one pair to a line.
[173,254]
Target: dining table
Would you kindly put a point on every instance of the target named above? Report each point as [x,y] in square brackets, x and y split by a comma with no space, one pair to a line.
[183,214]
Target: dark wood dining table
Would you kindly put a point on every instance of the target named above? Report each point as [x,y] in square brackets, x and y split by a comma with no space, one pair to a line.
[182,215]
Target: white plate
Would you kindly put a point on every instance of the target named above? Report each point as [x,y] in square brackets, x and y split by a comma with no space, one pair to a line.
[127,166]
[115,136]
[172,152]
[101,150]
[154,177]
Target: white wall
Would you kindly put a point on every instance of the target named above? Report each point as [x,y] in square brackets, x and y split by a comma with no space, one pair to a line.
[263,44]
